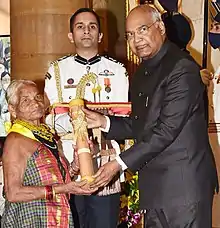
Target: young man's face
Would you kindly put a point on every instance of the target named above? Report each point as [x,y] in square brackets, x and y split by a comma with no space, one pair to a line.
[85,31]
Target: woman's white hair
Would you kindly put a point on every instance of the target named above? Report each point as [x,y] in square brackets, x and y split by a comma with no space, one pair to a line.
[13,89]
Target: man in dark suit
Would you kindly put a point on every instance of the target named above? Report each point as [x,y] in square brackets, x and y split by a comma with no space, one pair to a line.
[177,173]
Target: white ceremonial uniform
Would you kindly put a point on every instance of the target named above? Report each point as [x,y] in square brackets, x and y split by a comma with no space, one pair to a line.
[214,133]
[2,199]
[71,70]
[214,99]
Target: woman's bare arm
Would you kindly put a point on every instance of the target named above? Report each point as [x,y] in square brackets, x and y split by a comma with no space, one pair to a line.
[16,152]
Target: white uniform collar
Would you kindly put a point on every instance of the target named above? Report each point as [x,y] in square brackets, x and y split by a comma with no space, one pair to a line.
[90,61]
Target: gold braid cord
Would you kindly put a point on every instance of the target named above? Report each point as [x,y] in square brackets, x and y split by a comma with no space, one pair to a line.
[58,84]
[80,89]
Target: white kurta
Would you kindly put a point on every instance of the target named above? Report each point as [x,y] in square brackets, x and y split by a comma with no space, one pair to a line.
[2,199]
[214,135]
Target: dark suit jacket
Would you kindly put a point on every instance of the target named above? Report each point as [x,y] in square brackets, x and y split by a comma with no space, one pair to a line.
[172,151]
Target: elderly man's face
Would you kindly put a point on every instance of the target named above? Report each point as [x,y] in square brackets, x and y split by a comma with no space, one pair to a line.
[144,34]
[30,106]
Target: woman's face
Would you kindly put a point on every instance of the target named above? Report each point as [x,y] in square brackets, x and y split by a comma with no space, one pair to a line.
[6,81]
[30,105]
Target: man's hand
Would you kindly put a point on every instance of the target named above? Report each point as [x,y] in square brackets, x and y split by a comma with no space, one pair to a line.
[206,76]
[94,119]
[105,174]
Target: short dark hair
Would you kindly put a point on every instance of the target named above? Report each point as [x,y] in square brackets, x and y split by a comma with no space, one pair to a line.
[178,29]
[4,74]
[84,10]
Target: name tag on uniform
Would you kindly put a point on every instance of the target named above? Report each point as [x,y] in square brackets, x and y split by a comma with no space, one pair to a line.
[106,73]
[146,102]
[69,86]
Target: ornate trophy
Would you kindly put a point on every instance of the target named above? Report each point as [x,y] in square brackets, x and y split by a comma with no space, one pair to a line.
[80,136]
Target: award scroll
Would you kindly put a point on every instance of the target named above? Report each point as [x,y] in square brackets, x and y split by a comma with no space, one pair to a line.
[103,149]
[105,152]
[80,137]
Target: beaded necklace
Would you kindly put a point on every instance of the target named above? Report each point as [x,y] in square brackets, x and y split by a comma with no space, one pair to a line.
[42,130]
[41,133]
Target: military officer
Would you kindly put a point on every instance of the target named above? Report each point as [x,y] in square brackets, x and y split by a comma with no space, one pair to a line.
[110,85]
[214,89]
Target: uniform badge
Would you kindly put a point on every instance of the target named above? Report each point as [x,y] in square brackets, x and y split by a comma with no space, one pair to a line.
[146,104]
[107,84]
[70,84]
[70,81]
[106,73]
[48,76]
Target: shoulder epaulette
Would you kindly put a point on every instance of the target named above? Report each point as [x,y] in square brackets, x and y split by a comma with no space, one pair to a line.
[113,60]
[60,59]
[48,76]
[53,62]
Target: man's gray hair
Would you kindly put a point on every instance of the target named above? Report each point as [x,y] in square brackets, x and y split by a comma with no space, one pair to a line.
[156,15]
[13,89]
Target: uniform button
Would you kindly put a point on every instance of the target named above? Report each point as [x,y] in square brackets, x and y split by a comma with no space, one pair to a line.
[107,97]
[146,73]
[70,97]
[136,117]
[140,94]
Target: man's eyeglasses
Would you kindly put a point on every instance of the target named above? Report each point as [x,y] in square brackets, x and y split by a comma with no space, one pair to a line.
[142,30]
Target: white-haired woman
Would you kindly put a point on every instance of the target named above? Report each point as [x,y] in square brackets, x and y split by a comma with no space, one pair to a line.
[36,177]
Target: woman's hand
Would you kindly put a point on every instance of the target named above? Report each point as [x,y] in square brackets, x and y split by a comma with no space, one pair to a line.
[73,169]
[80,188]
[74,165]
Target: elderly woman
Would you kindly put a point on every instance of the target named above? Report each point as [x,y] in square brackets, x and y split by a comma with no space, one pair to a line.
[37,180]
